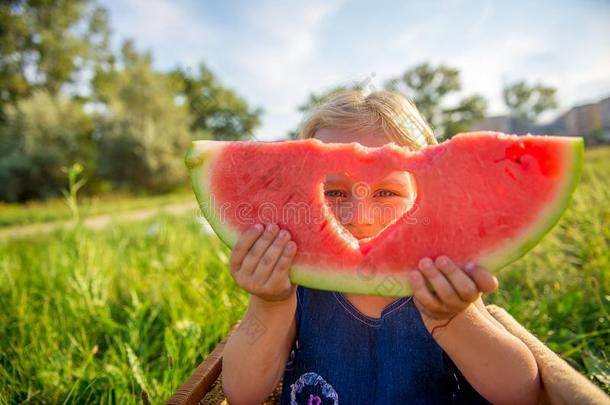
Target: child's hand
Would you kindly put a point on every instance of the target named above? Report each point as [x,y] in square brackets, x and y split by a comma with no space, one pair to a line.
[260,261]
[454,289]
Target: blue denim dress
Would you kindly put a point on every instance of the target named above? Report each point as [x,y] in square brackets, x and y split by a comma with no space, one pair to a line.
[344,356]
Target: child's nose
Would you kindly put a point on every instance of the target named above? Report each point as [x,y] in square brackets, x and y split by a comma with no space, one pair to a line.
[363,212]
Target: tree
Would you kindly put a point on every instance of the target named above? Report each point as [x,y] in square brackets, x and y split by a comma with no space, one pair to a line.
[315,99]
[429,87]
[460,118]
[528,102]
[217,112]
[45,44]
[142,133]
[41,134]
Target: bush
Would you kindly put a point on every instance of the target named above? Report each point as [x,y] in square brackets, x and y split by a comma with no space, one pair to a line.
[39,136]
[144,134]
[144,154]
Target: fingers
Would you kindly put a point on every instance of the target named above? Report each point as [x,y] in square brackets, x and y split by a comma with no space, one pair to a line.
[442,287]
[451,288]
[422,293]
[260,262]
[267,262]
[258,249]
[243,245]
[279,275]
[464,286]
[484,280]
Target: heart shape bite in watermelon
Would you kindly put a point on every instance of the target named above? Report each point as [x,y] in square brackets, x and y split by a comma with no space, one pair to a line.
[485,197]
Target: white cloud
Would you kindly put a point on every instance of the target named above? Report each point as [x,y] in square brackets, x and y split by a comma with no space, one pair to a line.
[280,63]
[492,51]
[270,58]
[275,54]
[165,28]
[486,68]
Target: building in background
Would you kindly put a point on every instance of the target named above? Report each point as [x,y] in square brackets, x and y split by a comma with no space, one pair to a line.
[591,121]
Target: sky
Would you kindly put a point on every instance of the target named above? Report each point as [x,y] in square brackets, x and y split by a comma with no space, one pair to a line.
[274,54]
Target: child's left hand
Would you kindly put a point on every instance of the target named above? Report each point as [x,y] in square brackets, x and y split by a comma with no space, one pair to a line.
[454,289]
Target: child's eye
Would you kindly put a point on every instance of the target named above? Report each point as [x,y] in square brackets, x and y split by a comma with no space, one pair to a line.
[334,193]
[386,193]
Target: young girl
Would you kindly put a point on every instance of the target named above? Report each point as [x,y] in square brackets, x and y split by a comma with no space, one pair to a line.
[439,346]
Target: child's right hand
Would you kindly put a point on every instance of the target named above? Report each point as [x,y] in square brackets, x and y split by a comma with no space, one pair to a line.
[260,261]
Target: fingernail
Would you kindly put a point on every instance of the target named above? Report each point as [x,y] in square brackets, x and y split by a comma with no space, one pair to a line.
[271,227]
[470,266]
[283,234]
[258,227]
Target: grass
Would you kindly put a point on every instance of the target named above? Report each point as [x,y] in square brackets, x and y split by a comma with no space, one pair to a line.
[104,316]
[12,214]
[101,317]
[561,289]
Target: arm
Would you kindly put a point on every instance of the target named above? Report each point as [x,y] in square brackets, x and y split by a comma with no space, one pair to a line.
[497,364]
[255,356]
[483,310]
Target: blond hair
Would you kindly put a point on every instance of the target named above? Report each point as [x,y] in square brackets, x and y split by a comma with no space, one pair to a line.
[389,112]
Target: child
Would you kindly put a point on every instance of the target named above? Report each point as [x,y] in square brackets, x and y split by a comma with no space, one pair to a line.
[438,346]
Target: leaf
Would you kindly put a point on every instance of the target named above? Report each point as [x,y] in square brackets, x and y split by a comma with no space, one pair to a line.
[136,369]
[596,367]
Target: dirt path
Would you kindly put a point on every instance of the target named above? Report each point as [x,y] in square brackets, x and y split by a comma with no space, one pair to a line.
[99,221]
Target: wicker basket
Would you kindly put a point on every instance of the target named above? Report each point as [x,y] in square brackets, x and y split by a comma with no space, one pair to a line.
[561,384]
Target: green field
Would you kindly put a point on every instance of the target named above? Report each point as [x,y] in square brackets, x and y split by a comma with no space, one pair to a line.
[103,316]
[56,209]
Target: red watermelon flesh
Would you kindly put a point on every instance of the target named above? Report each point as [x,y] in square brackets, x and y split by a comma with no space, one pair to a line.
[481,196]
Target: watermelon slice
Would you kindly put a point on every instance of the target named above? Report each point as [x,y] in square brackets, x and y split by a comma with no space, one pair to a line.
[486,197]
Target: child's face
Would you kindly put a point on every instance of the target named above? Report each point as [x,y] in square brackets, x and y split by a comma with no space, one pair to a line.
[365,209]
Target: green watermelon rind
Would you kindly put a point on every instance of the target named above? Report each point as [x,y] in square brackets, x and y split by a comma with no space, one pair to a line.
[396,284]
[548,217]
[199,159]
[202,155]
[384,284]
